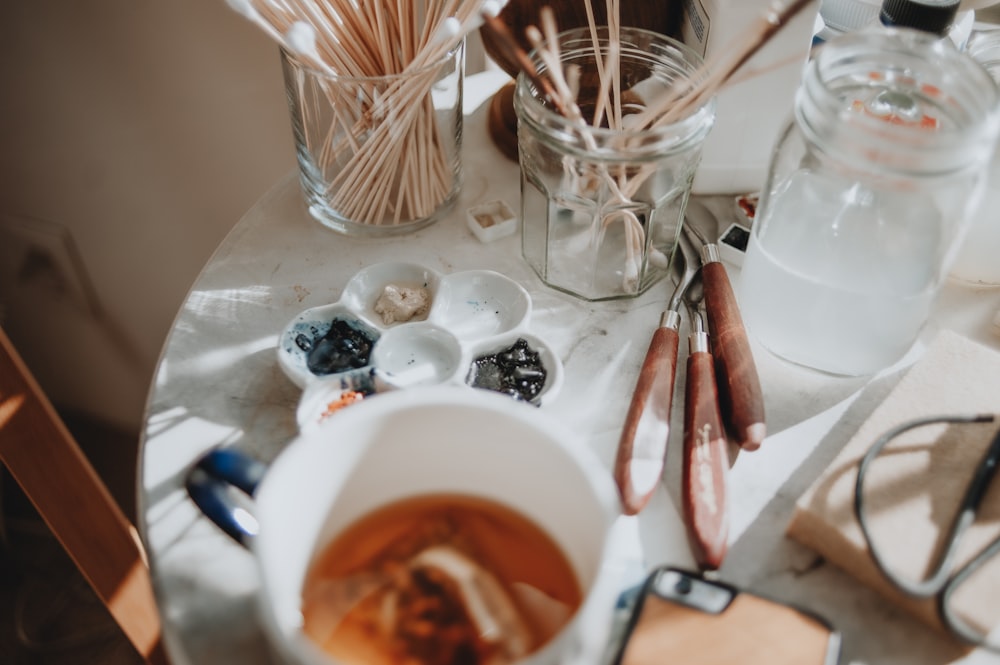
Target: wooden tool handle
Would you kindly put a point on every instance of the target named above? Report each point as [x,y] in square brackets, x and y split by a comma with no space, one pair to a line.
[643,443]
[706,465]
[741,397]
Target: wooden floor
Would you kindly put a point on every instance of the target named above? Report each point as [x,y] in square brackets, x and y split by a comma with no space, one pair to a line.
[48,613]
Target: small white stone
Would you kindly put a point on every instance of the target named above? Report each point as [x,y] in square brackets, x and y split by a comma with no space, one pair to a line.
[402,303]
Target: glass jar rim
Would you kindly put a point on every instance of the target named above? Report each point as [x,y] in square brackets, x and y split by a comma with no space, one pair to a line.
[692,127]
[971,90]
[294,60]
[848,74]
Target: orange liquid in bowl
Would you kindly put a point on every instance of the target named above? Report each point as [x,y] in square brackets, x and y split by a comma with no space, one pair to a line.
[439,580]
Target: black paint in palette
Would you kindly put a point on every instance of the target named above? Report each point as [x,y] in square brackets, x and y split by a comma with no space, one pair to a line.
[343,347]
[516,371]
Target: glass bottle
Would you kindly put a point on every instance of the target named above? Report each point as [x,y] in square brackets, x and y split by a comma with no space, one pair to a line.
[978,260]
[869,190]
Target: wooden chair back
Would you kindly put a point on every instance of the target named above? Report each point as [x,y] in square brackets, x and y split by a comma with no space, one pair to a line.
[48,464]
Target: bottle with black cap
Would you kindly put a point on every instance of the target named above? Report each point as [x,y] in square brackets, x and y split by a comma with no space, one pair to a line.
[939,17]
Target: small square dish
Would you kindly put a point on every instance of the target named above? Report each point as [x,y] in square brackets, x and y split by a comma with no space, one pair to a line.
[491,220]
[733,244]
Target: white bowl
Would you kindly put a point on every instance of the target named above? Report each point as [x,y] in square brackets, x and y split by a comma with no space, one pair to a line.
[441,439]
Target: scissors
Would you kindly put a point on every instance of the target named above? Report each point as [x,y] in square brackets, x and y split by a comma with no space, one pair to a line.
[942,581]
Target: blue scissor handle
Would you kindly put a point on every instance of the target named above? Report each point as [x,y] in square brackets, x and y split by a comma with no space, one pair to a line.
[209,482]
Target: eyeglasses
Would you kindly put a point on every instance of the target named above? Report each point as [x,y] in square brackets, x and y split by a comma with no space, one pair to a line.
[944,578]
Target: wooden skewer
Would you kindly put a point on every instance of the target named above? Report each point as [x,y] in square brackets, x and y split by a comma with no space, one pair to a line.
[595,45]
[614,21]
[604,76]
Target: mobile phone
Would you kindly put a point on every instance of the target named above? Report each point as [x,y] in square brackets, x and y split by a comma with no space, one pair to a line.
[680,617]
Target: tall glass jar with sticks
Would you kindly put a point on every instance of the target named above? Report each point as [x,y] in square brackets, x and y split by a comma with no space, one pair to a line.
[375,95]
[606,166]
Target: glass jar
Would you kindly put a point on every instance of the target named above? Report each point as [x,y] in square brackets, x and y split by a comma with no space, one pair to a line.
[602,208]
[377,155]
[978,260]
[868,193]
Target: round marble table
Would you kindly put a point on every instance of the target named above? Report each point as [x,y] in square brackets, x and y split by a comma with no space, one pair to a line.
[218,383]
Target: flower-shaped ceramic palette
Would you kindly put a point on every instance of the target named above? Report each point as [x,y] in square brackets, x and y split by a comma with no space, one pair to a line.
[400,325]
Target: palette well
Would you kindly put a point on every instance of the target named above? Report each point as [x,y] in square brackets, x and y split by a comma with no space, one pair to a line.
[402,325]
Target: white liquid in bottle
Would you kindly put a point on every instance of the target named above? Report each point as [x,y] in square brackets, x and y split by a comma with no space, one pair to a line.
[847,297]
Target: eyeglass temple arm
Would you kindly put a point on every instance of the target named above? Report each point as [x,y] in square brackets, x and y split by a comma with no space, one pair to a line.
[952,620]
[966,515]
[985,472]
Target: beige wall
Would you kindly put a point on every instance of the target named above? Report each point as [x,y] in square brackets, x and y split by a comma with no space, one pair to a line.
[140,130]
[133,135]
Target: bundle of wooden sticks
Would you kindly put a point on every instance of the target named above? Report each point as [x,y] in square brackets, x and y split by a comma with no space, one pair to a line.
[367,68]
[384,157]
[559,85]
[688,94]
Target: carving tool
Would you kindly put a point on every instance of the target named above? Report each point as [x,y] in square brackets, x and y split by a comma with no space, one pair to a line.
[741,397]
[642,447]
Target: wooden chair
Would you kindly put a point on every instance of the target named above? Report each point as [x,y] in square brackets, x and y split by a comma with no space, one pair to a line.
[45,460]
